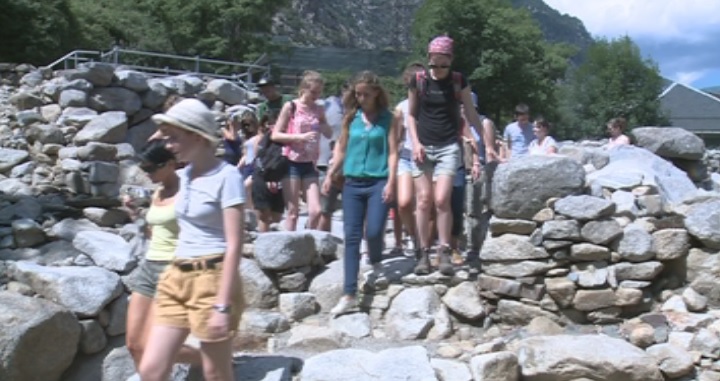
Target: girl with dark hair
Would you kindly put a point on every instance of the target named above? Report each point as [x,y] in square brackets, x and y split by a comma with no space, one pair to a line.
[543,144]
[267,196]
[616,129]
[367,152]
[159,164]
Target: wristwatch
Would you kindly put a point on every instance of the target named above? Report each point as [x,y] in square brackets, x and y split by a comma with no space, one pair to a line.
[222,308]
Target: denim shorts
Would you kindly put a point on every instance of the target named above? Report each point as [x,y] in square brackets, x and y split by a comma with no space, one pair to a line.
[302,171]
[406,166]
[440,161]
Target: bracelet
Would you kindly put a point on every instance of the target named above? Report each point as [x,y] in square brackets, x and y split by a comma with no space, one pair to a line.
[222,308]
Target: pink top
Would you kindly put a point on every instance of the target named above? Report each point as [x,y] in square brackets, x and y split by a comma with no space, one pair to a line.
[306,119]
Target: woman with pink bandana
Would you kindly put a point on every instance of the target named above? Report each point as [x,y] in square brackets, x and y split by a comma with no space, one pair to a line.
[434,122]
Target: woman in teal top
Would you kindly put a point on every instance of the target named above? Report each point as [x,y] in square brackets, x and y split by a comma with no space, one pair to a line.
[367,152]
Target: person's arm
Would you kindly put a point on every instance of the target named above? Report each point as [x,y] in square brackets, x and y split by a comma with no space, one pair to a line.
[400,118]
[488,134]
[280,133]
[418,149]
[393,146]
[325,128]
[508,145]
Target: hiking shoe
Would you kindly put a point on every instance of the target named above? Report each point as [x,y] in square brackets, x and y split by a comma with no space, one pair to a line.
[345,304]
[444,264]
[423,262]
[457,258]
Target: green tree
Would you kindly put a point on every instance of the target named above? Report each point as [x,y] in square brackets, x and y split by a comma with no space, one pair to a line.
[35,31]
[500,49]
[615,80]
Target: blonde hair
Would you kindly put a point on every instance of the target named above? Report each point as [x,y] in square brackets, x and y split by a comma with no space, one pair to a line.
[309,78]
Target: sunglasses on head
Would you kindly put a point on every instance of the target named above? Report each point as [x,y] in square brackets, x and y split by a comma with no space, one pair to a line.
[151,168]
[434,66]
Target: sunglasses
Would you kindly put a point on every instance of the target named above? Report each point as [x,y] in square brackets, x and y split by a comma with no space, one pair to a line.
[433,66]
[151,168]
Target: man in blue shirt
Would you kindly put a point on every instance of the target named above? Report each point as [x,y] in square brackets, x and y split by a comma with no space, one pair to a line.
[519,134]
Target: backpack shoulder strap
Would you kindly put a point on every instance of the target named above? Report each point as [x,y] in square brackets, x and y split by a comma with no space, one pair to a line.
[457,85]
[421,82]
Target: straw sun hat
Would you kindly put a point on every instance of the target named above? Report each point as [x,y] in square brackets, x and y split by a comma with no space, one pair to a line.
[191,115]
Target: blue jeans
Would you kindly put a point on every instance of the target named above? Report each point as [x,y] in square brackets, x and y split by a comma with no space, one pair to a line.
[362,201]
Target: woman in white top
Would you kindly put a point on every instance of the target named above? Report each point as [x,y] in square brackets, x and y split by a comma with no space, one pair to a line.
[616,130]
[543,144]
[199,292]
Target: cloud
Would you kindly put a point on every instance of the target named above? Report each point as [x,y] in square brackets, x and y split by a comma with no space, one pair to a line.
[680,36]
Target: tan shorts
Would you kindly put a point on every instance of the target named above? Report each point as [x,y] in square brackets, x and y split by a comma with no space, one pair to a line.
[185,298]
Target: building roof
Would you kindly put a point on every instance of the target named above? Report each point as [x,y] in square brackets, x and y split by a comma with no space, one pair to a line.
[691,108]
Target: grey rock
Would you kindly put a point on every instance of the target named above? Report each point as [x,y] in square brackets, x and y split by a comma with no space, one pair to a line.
[703,222]
[592,300]
[567,358]
[102,172]
[32,79]
[254,320]
[405,363]
[669,244]
[316,338]
[411,313]
[118,365]
[97,73]
[512,288]
[590,275]
[156,95]
[464,299]
[355,325]
[694,301]
[227,92]
[521,187]
[117,310]
[451,370]
[670,142]
[498,366]
[328,286]
[68,228]
[24,100]
[92,338]
[637,271]
[597,157]
[327,245]
[706,342]
[9,158]
[115,99]
[518,269]
[626,204]
[106,250]
[76,116]
[442,325]
[258,289]
[584,207]
[674,303]
[15,187]
[562,290]
[125,151]
[68,285]
[542,326]
[636,245]
[28,117]
[95,151]
[45,134]
[109,127]
[499,226]
[651,205]
[132,80]
[73,98]
[589,252]
[561,230]
[517,313]
[139,134]
[27,233]
[674,362]
[626,296]
[285,250]
[511,247]
[39,339]
[297,305]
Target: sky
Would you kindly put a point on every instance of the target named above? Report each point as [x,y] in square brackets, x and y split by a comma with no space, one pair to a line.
[681,36]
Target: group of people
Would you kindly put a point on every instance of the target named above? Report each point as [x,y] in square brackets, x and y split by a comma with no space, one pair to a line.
[415,158]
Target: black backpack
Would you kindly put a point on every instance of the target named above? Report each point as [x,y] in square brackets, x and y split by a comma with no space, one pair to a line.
[270,163]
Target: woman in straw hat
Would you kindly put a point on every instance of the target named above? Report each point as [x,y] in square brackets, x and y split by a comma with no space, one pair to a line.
[199,292]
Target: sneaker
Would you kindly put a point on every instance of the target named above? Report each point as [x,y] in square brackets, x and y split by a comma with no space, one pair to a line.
[375,279]
[345,304]
[457,258]
[410,249]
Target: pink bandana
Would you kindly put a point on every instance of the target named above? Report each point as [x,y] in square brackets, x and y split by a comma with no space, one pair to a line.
[441,45]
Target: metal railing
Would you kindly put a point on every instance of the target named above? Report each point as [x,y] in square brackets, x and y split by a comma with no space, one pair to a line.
[162,64]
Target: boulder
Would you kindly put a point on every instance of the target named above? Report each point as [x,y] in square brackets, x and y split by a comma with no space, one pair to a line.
[405,363]
[674,362]
[97,73]
[95,151]
[115,99]
[519,269]
[567,230]
[595,156]
[499,226]
[9,158]
[92,338]
[68,285]
[328,286]
[227,92]
[411,313]
[73,98]
[702,221]
[464,299]
[139,134]
[76,116]
[132,80]
[451,370]
[518,313]
[258,289]
[297,305]
[591,357]
[106,250]
[636,245]
[521,187]
[254,320]
[68,228]
[314,338]
[584,207]
[27,233]
[285,250]
[672,183]
[355,325]
[670,142]
[45,134]
[109,127]
[498,366]
[39,339]
[637,271]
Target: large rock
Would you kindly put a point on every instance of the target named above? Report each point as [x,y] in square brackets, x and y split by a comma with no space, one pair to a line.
[68,228]
[628,161]
[68,285]
[9,158]
[97,73]
[561,230]
[115,99]
[591,357]
[636,245]
[27,233]
[297,305]
[511,247]
[285,250]
[498,366]
[106,250]
[258,289]
[227,92]
[596,156]
[669,244]
[522,186]
[412,313]
[703,222]
[38,340]
[133,80]
[328,286]
[407,363]
[139,134]
[670,142]
[464,299]
[674,362]
[76,116]
[109,127]
[584,207]
[703,273]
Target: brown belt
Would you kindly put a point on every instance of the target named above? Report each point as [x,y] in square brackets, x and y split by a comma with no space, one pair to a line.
[198,264]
